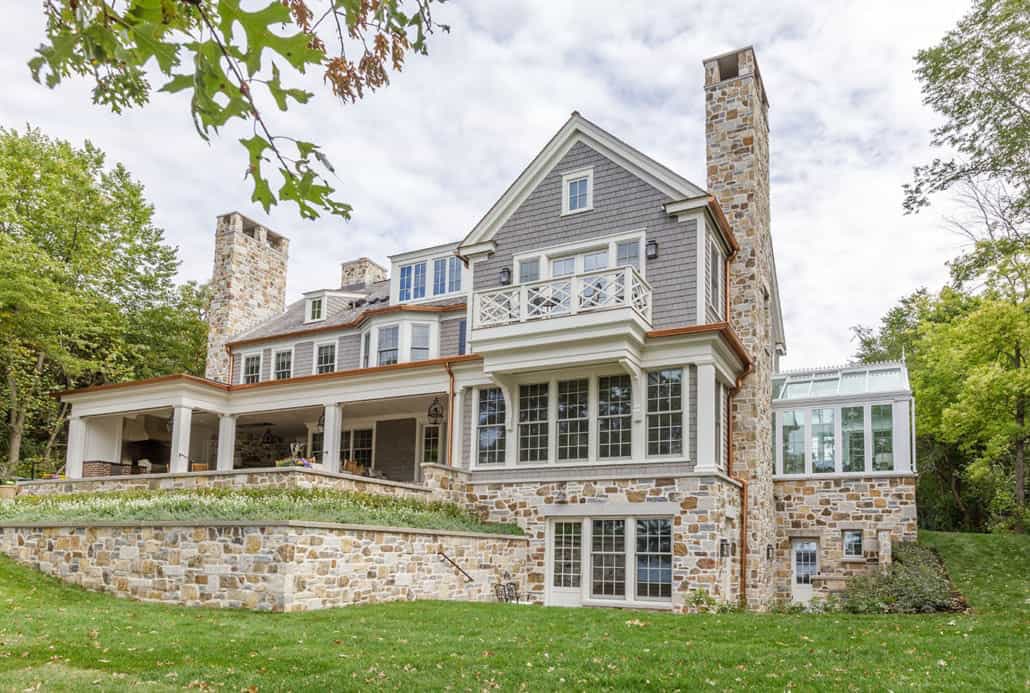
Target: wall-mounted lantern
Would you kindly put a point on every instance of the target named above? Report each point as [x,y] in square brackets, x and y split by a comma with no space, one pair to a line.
[435,413]
[769,552]
[724,548]
[651,249]
[505,276]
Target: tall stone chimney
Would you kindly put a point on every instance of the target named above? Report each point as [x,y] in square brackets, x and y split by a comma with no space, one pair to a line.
[737,145]
[362,272]
[248,285]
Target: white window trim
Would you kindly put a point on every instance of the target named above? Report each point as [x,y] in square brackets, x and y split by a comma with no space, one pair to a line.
[293,361]
[428,256]
[586,566]
[357,425]
[579,249]
[308,302]
[411,340]
[717,302]
[844,545]
[507,461]
[365,349]
[314,355]
[420,447]
[567,178]
[431,273]
[400,341]
[243,355]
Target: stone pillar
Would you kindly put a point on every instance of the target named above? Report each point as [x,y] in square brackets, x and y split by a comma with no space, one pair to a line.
[706,442]
[182,423]
[76,448]
[226,442]
[331,431]
[737,144]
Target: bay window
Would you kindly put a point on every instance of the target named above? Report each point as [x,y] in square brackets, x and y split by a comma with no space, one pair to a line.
[665,412]
[533,415]
[490,431]
[419,342]
[574,419]
[366,348]
[389,345]
[822,441]
[882,418]
[614,416]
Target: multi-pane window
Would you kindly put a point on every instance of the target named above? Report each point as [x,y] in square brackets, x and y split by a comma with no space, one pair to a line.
[614,416]
[608,558]
[366,347]
[822,441]
[882,419]
[453,274]
[597,260]
[389,341]
[317,439]
[446,275]
[462,336]
[578,194]
[627,253]
[431,444]
[806,561]
[283,364]
[360,448]
[315,309]
[490,426]
[413,281]
[568,542]
[654,559]
[252,369]
[529,270]
[419,342]
[574,419]
[563,266]
[715,274]
[853,543]
[665,412]
[852,430]
[533,407]
[793,441]
[326,362]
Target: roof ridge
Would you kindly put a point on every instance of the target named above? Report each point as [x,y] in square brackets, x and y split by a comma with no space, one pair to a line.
[853,365]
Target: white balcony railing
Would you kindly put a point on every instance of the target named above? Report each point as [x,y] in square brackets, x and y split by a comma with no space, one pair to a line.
[578,293]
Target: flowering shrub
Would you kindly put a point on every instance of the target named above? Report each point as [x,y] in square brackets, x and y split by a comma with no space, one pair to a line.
[321,505]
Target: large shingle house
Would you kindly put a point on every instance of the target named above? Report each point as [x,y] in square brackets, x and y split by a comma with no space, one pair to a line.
[596,360]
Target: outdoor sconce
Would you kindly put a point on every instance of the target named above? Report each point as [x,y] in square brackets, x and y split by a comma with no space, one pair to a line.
[733,549]
[724,548]
[768,552]
[267,439]
[505,276]
[435,413]
[651,249]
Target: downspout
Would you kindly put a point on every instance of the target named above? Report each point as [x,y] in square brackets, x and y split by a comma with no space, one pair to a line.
[228,376]
[450,411]
[742,589]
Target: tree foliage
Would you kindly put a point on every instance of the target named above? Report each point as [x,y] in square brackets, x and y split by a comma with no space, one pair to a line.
[978,79]
[231,62]
[86,287]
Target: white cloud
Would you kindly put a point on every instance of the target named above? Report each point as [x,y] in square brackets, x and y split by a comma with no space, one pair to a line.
[422,160]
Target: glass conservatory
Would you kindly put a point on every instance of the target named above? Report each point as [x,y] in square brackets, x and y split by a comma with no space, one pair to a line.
[844,421]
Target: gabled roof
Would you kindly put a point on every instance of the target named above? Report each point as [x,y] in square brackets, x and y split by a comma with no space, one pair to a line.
[578,129]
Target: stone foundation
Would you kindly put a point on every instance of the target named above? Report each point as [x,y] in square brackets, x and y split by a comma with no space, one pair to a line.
[884,508]
[281,477]
[286,566]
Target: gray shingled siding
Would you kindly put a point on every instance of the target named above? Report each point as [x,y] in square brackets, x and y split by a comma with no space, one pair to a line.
[234,377]
[692,414]
[348,352]
[395,449]
[622,203]
[449,330]
[303,357]
[266,364]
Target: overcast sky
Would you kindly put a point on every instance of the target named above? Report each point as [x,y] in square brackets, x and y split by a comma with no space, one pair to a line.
[422,160]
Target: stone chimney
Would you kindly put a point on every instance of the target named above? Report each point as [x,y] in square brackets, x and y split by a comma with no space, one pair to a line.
[361,271]
[737,145]
[248,285]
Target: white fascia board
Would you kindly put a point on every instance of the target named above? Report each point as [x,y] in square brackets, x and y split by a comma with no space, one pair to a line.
[577,129]
[148,398]
[442,249]
[843,400]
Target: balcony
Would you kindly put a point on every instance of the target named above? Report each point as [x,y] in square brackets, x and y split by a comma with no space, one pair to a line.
[594,316]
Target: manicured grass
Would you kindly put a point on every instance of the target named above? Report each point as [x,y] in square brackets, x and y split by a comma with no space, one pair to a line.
[249,504]
[68,639]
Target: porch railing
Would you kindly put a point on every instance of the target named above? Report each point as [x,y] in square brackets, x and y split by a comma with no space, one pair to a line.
[605,289]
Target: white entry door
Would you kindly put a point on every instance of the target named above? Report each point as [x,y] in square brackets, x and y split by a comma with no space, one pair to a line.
[566,560]
[805,559]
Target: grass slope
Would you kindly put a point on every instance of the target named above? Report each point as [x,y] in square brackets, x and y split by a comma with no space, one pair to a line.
[320,505]
[66,639]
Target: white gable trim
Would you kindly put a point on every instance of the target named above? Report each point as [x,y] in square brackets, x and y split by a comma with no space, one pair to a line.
[576,129]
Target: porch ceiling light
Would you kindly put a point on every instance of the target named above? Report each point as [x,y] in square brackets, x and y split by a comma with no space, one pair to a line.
[651,249]
[505,277]
[435,413]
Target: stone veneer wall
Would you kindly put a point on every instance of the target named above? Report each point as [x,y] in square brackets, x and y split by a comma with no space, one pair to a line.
[282,477]
[248,285]
[883,508]
[737,147]
[708,511]
[289,566]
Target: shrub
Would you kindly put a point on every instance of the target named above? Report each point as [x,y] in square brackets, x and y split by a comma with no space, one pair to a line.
[916,582]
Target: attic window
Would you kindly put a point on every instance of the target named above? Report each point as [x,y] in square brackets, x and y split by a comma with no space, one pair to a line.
[316,309]
[577,191]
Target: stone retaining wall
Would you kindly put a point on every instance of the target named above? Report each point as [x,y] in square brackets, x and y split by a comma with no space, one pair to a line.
[279,477]
[286,566]
[884,508]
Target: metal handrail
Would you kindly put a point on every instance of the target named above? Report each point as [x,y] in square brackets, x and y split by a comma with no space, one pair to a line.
[441,554]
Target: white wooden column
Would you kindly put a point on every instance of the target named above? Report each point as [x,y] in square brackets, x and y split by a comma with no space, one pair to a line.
[226,442]
[76,447]
[182,422]
[707,445]
[457,433]
[331,431]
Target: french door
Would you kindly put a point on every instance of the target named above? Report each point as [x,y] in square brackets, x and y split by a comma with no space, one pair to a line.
[805,562]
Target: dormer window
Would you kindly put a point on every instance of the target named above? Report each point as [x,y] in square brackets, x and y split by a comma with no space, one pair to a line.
[577,191]
[315,309]
[413,281]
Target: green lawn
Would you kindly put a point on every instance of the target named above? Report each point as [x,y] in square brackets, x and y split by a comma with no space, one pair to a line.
[65,639]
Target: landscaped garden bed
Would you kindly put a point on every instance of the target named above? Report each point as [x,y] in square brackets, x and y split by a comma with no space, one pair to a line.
[916,582]
[321,505]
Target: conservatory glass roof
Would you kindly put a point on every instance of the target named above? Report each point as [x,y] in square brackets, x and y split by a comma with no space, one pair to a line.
[844,381]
